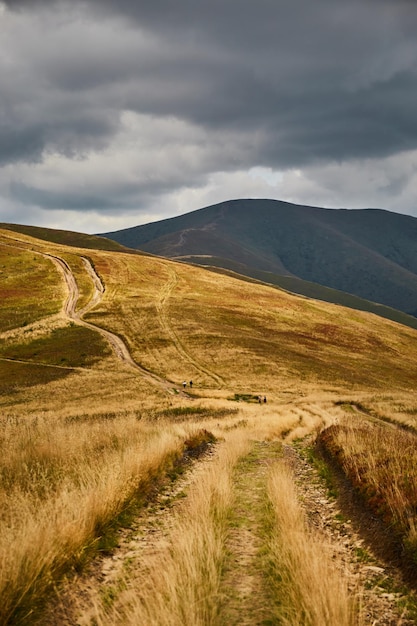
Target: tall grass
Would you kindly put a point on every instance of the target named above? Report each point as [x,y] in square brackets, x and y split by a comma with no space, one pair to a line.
[181,584]
[381,462]
[61,485]
[309,586]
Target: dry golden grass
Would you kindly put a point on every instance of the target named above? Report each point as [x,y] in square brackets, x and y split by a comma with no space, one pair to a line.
[62,483]
[381,462]
[181,585]
[186,323]
[310,586]
[30,287]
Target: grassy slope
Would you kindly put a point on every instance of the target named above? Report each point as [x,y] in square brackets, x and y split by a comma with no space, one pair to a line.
[30,288]
[184,322]
[305,288]
[189,323]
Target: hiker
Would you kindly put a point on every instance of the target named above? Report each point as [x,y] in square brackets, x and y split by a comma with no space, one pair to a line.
[191,383]
[265,399]
[260,399]
[184,384]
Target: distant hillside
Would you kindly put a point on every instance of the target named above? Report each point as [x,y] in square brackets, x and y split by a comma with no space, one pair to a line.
[66,237]
[368,253]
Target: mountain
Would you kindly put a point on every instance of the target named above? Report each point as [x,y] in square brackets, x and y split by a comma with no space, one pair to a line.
[369,253]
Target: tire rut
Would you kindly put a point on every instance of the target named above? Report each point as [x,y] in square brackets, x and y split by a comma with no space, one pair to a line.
[161,306]
[377,584]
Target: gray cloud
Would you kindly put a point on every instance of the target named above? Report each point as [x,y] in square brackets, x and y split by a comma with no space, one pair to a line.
[273,84]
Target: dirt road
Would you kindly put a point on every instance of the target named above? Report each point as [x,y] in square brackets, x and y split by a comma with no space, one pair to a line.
[246,598]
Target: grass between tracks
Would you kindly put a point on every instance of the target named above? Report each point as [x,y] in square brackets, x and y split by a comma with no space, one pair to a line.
[181,585]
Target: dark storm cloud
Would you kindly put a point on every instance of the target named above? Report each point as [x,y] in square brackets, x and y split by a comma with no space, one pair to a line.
[285,84]
[322,80]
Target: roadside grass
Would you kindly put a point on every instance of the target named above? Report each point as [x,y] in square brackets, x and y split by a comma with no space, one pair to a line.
[310,586]
[181,413]
[63,487]
[181,585]
[381,463]
[30,288]
[395,408]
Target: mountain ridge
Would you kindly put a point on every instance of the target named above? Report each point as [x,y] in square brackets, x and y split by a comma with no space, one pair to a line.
[369,253]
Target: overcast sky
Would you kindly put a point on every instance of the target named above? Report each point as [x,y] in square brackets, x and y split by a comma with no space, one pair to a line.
[120,112]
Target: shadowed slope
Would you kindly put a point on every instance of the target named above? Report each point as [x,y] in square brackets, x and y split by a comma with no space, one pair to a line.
[66,237]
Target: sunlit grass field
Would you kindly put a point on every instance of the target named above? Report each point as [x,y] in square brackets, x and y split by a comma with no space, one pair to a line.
[30,288]
[84,434]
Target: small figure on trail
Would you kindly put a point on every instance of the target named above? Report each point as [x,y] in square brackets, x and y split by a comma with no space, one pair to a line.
[191,383]
[184,384]
[260,399]
[265,399]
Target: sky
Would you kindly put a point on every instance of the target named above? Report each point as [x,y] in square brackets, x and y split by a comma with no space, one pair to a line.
[115,113]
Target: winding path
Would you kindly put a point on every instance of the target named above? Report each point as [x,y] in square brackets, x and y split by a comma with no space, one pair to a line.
[118,345]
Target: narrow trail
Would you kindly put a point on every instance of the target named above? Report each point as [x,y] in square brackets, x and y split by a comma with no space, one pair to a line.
[161,306]
[24,362]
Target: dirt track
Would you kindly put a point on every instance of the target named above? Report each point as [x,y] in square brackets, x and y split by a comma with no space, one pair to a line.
[245,599]
[163,319]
